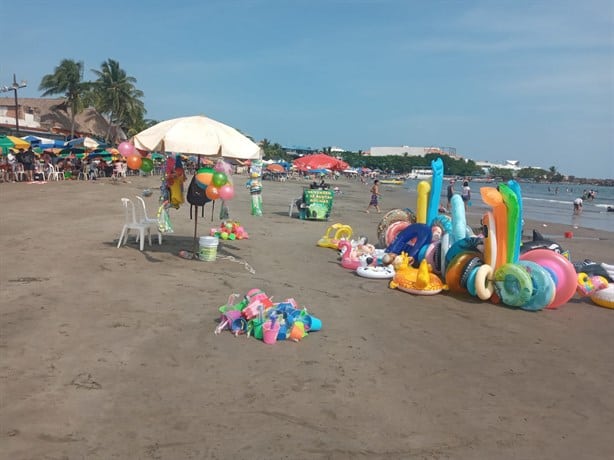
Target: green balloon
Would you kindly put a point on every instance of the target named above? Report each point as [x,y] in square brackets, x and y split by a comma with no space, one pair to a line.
[219,179]
[147,165]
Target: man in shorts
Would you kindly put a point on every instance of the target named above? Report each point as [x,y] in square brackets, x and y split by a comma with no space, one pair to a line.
[450,193]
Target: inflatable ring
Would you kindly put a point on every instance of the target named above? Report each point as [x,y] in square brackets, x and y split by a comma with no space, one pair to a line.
[565,276]
[543,286]
[468,244]
[604,297]
[378,272]
[442,221]
[456,269]
[395,215]
[470,268]
[513,284]
[471,280]
[484,286]
[394,229]
[430,253]
[443,250]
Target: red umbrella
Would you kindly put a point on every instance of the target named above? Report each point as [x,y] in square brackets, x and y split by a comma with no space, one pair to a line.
[320,161]
[275,167]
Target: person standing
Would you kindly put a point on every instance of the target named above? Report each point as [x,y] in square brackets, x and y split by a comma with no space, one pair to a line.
[374,197]
[466,194]
[450,193]
[577,206]
[27,158]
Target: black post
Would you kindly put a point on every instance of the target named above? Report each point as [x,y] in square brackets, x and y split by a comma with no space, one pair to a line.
[15,86]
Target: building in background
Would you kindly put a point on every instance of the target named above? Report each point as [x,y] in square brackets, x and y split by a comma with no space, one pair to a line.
[51,118]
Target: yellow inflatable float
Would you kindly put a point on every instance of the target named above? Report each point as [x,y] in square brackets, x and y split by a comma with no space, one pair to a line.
[334,234]
[419,281]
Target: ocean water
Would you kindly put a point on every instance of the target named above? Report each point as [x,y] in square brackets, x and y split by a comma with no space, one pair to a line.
[542,203]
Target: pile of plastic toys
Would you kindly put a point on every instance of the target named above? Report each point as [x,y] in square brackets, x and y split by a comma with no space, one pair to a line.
[256,315]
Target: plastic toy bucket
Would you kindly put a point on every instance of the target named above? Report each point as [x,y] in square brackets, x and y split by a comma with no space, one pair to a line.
[207,248]
[257,329]
[312,323]
[269,332]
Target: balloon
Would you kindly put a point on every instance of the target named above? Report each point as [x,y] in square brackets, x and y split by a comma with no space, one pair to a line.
[134,161]
[227,192]
[204,176]
[222,166]
[219,179]
[147,165]
[126,149]
[212,192]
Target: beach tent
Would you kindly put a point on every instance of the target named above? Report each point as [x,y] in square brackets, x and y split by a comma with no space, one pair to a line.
[319,161]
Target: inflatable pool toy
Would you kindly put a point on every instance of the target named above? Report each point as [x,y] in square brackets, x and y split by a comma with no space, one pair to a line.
[410,240]
[511,204]
[420,281]
[334,234]
[515,187]
[589,285]
[489,232]
[348,256]
[395,215]
[459,221]
[604,297]
[394,229]
[458,270]
[543,286]
[423,190]
[492,197]
[595,269]
[376,272]
[560,269]
[484,283]
[435,193]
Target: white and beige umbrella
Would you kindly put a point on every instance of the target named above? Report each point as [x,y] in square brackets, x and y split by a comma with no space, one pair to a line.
[197,135]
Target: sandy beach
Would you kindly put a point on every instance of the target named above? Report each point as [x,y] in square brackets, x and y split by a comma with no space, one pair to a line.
[111,353]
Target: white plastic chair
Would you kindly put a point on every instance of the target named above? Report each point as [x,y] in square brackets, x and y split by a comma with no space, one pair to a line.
[54,174]
[145,219]
[130,223]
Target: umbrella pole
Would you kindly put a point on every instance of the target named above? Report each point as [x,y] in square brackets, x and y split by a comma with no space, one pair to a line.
[194,244]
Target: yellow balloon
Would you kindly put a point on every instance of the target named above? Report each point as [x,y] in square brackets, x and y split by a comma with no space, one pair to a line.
[424,188]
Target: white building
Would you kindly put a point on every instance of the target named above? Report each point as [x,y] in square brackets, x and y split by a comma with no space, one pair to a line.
[406,150]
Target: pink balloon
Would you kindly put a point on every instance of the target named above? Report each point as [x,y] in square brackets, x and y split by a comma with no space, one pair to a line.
[227,192]
[125,149]
[223,166]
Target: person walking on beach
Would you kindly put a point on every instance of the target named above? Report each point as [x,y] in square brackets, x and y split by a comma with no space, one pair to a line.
[466,194]
[450,193]
[577,206]
[374,197]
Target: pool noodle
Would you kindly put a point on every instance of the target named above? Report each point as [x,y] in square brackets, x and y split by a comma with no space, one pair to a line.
[422,201]
[511,203]
[516,189]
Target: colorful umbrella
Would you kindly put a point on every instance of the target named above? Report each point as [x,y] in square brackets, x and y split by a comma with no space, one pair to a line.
[275,167]
[10,142]
[320,161]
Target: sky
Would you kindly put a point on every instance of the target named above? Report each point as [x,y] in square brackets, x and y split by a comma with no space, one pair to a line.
[506,80]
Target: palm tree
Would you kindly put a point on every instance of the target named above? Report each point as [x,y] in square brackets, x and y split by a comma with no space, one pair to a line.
[66,80]
[116,97]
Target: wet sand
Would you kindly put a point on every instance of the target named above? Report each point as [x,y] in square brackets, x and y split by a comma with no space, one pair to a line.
[110,353]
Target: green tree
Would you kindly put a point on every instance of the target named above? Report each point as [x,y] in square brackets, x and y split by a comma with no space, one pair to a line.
[116,97]
[67,80]
[503,174]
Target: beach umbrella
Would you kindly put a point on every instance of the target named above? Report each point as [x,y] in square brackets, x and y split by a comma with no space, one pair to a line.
[275,167]
[10,142]
[197,135]
[320,161]
[85,143]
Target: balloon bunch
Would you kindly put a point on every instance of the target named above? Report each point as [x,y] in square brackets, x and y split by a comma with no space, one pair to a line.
[491,265]
[216,181]
[135,159]
[230,230]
